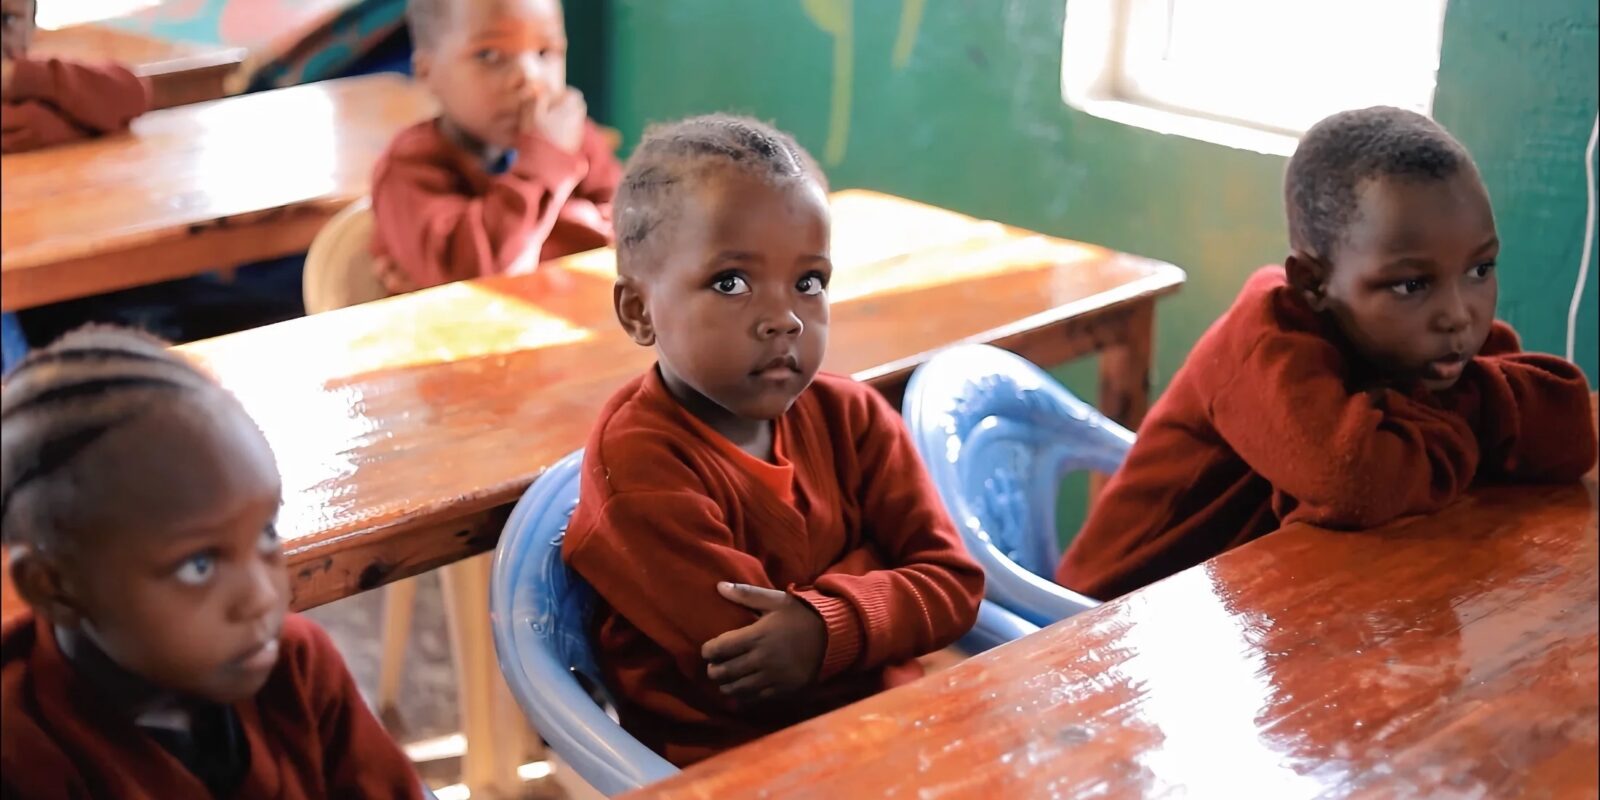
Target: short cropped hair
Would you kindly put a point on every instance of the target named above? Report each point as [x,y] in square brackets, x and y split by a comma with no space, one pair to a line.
[426,20]
[672,157]
[1340,153]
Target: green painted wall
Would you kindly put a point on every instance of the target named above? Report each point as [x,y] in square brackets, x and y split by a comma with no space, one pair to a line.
[958,103]
[1518,86]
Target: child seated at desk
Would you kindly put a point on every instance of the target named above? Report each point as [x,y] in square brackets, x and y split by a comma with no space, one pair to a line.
[158,659]
[49,102]
[764,542]
[512,172]
[1364,380]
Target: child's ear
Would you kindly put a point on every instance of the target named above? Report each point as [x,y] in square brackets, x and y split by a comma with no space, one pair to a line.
[633,313]
[1309,275]
[421,65]
[40,581]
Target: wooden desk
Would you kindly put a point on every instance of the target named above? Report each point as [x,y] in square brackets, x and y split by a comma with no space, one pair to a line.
[193,189]
[406,428]
[179,73]
[1449,656]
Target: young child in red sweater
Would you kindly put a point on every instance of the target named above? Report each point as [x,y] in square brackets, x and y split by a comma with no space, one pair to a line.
[764,542]
[157,659]
[50,101]
[512,172]
[1364,380]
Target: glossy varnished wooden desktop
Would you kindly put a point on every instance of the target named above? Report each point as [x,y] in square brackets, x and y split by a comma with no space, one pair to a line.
[406,428]
[179,72]
[1449,656]
[195,188]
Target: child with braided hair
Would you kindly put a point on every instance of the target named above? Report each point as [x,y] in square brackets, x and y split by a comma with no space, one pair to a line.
[157,657]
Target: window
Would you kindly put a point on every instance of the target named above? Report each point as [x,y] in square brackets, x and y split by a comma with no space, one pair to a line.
[55,15]
[1248,73]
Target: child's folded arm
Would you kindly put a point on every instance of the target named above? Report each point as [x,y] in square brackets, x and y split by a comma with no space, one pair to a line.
[656,558]
[599,185]
[1535,419]
[1349,459]
[434,234]
[101,98]
[31,125]
[927,596]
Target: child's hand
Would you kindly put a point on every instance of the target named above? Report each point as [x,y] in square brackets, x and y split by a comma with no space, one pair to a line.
[777,654]
[560,119]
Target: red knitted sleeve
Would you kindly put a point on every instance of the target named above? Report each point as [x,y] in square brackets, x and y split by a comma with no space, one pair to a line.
[32,125]
[1531,411]
[600,183]
[100,98]
[927,596]
[1336,457]
[435,234]
[656,558]
[359,759]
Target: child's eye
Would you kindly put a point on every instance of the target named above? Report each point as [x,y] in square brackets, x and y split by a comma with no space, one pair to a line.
[269,542]
[1408,287]
[730,285]
[487,56]
[1482,271]
[197,570]
[813,284]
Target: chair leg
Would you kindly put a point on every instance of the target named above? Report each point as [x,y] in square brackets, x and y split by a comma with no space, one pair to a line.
[498,735]
[399,601]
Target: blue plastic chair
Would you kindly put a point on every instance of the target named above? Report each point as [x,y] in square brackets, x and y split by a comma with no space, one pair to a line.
[998,434]
[13,344]
[540,610]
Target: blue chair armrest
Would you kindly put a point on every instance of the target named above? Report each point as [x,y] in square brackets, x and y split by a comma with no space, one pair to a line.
[995,627]
[1031,597]
[538,610]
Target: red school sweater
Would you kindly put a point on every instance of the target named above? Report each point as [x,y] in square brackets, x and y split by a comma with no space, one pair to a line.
[1270,421]
[440,216]
[666,511]
[52,102]
[308,731]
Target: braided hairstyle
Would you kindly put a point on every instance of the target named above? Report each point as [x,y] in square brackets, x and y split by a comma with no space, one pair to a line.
[62,399]
[672,157]
[1337,155]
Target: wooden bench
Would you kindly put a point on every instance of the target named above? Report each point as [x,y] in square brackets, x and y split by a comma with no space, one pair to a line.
[193,189]
[179,73]
[1445,656]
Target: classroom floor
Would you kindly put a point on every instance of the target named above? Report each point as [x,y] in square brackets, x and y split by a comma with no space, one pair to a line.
[428,710]
[428,689]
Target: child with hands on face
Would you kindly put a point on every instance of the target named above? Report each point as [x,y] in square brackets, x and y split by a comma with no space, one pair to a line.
[512,172]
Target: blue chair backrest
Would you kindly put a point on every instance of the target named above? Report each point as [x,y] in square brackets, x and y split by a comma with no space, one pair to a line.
[998,435]
[13,344]
[540,613]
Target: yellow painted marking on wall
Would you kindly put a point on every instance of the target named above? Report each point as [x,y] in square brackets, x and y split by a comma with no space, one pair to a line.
[834,18]
[906,39]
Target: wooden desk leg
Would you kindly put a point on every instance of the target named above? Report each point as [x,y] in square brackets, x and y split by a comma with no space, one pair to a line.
[1125,376]
[399,601]
[498,735]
